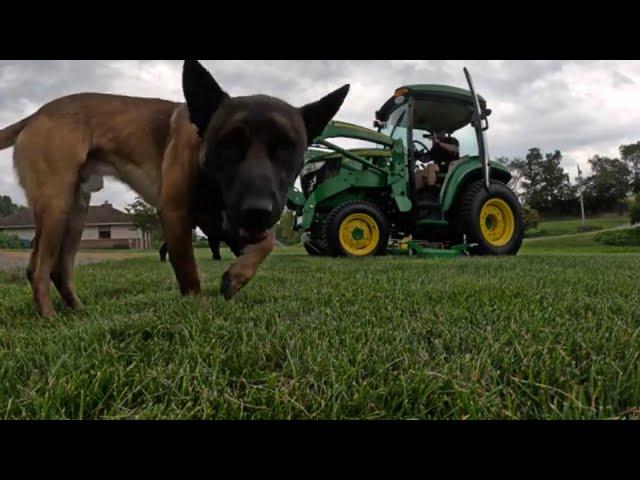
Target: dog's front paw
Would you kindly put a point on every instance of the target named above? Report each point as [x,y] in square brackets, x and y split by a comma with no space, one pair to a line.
[236,277]
[228,287]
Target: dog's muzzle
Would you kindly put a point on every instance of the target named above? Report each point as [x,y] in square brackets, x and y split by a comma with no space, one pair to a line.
[255,219]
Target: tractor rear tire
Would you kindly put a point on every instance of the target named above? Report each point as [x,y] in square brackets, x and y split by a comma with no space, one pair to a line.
[356,229]
[492,220]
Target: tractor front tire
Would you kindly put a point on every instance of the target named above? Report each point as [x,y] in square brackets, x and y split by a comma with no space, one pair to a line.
[314,248]
[491,219]
[356,229]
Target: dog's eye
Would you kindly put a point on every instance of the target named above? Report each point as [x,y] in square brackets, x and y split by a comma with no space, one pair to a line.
[232,145]
[283,145]
[233,139]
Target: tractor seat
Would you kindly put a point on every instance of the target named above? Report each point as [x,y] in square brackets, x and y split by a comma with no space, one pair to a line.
[424,204]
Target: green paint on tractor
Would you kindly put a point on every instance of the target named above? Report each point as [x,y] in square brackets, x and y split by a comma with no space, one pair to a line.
[380,181]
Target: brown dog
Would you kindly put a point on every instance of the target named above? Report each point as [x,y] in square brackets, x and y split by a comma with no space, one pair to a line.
[230,159]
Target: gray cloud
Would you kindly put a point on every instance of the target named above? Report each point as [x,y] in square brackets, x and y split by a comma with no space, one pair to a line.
[620,79]
[578,107]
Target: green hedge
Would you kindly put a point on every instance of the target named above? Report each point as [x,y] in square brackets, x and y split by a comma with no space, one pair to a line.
[10,241]
[634,212]
[629,237]
[530,218]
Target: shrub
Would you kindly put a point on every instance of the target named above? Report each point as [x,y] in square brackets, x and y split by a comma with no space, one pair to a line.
[634,212]
[628,237]
[531,218]
[9,240]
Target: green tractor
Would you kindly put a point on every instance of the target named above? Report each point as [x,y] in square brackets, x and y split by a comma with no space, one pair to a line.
[365,201]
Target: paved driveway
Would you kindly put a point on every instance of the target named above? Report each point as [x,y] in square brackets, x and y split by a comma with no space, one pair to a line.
[12,258]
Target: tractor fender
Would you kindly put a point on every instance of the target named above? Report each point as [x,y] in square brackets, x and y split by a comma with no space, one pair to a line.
[345,180]
[465,172]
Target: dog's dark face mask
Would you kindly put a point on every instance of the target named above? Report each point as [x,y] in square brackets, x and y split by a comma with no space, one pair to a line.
[253,147]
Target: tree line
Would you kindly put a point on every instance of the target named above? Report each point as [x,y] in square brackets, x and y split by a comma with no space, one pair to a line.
[543,185]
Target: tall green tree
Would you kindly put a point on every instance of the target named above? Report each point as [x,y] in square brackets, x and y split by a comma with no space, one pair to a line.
[545,183]
[145,217]
[609,184]
[517,166]
[631,155]
[7,207]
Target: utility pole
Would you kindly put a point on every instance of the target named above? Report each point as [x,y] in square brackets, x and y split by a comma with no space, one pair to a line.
[581,187]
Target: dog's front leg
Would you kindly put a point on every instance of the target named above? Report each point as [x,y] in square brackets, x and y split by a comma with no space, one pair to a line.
[246,266]
[176,226]
[179,175]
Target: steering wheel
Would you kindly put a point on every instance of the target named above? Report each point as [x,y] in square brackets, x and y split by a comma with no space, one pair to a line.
[424,150]
[423,153]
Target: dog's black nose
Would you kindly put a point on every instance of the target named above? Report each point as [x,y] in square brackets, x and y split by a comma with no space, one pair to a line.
[257,217]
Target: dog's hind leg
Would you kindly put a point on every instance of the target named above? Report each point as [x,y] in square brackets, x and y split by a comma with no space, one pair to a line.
[34,253]
[163,252]
[48,163]
[214,246]
[207,225]
[63,270]
[51,216]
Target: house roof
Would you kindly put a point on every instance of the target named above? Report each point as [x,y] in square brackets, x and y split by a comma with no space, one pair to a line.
[98,215]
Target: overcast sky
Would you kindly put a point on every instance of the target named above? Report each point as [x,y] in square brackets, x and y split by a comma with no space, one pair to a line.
[579,107]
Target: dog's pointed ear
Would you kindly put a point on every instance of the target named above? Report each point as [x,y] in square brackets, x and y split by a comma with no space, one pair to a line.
[202,94]
[318,114]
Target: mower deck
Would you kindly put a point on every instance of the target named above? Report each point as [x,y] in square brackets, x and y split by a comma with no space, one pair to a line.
[425,249]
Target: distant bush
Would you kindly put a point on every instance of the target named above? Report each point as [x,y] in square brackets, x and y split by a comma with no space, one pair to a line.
[628,237]
[634,212]
[531,218]
[284,231]
[9,240]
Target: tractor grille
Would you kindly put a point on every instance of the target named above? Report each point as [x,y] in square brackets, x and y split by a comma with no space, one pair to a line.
[311,180]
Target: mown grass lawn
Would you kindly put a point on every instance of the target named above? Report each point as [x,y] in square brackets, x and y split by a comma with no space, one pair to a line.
[577,244]
[531,337]
[572,225]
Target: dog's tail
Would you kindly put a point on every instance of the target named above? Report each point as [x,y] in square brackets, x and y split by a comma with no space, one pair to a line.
[9,135]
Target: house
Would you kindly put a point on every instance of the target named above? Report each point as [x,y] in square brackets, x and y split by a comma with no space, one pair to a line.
[106,227]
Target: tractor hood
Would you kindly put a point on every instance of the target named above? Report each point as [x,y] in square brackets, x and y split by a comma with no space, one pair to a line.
[337,129]
[436,107]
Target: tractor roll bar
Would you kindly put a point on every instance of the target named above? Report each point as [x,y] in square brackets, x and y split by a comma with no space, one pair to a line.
[477,124]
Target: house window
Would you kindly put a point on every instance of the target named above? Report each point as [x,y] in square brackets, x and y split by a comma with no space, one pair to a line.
[104,232]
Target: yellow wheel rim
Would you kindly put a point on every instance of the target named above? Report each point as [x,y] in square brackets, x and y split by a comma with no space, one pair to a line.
[497,222]
[359,234]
